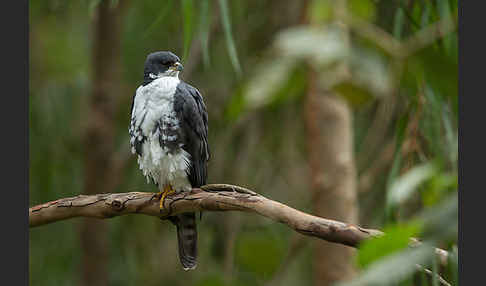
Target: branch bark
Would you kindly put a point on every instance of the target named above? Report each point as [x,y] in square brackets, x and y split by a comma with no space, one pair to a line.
[214,197]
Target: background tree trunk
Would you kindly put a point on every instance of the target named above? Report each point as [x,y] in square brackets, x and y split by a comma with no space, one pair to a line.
[333,177]
[99,136]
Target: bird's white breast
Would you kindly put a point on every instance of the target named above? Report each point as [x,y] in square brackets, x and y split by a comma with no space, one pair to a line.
[154,103]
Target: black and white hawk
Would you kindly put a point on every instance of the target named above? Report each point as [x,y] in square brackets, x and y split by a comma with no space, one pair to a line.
[168,132]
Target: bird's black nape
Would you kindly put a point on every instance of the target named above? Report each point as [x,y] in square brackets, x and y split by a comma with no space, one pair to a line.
[158,63]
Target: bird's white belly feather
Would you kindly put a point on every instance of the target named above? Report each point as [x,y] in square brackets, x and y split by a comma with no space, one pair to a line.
[154,102]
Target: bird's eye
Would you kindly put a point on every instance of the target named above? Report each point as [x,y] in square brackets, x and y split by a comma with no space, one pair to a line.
[166,63]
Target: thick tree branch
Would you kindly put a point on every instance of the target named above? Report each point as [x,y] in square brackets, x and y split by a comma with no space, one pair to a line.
[213,197]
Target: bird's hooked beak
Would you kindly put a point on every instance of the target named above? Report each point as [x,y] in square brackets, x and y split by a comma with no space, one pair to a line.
[177,67]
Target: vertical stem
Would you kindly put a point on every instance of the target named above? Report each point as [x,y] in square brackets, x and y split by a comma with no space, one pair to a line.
[329,132]
[99,136]
[333,176]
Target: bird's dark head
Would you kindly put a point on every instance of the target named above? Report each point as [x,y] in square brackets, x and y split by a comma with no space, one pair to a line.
[160,64]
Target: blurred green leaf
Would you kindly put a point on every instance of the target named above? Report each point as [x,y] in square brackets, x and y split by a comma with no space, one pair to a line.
[393,268]
[364,9]
[409,18]
[230,43]
[404,186]
[451,135]
[269,77]
[441,220]
[437,186]
[320,46]
[453,264]
[426,7]
[371,71]
[445,13]
[397,158]
[292,88]
[235,107]
[398,23]
[397,237]
[370,77]
[320,11]
[436,127]
[416,15]
[188,15]
[273,84]
[435,270]
[440,72]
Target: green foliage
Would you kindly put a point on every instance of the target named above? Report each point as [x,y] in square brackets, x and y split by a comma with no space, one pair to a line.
[320,11]
[188,11]
[398,23]
[275,84]
[371,77]
[441,220]
[225,17]
[396,238]
[205,24]
[235,107]
[364,9]
[393,268]
[404,186]
[269,78]
[437,186]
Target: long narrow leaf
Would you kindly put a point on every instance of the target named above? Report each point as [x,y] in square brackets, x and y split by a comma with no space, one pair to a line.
[425,13]
[397,158]
[187,10]
[398,24]
[444,11]
[205,23]
[229,36]
[403,187]
[435,281]
[158,20]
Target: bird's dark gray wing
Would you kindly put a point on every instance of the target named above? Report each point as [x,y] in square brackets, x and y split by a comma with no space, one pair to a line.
[193,125]
[193,121]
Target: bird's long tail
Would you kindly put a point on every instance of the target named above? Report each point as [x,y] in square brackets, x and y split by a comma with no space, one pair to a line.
[187,239]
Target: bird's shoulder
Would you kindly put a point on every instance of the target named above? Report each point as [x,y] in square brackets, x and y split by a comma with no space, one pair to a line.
[189,101]
[186,90]
[190,107]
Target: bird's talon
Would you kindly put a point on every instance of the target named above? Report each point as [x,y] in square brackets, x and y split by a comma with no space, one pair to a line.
[167,191]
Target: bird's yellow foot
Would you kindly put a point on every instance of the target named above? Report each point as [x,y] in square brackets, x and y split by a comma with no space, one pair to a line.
[167,191]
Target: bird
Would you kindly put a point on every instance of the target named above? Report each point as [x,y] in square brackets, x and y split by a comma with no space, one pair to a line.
[169,135]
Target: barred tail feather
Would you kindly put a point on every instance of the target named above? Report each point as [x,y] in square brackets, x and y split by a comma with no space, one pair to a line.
[187,239]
